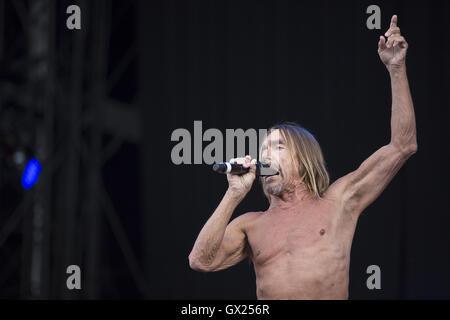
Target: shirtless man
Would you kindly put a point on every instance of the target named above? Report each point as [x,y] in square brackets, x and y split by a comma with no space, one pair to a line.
[300,247]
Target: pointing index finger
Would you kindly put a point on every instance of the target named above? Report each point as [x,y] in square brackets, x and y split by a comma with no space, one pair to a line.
[394,21]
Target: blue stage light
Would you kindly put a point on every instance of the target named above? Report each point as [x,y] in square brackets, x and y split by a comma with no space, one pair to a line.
[31,173]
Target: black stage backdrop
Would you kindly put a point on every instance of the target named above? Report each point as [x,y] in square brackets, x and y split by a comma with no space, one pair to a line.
[250,64]
[112,201]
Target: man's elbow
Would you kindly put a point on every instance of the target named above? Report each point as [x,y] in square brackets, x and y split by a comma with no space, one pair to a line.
[410,149]
[413,149]
[196,265]
[406,149]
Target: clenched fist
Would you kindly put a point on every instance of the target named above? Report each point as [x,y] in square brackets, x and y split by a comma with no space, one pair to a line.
[240,185]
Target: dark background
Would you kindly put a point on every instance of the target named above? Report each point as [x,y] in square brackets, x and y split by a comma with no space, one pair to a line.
[97,107]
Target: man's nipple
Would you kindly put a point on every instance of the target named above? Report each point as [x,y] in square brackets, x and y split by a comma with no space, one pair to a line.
[322,232]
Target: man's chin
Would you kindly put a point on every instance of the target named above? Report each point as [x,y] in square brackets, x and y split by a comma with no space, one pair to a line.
[270,179]
[273,189]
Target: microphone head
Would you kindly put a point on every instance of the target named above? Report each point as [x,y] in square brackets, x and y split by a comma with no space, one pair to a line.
[219,167]
[266,170]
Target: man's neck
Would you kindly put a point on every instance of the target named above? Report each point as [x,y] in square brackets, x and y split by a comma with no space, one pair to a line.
[291,197]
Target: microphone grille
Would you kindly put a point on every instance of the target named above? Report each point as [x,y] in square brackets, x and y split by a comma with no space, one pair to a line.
[220,167]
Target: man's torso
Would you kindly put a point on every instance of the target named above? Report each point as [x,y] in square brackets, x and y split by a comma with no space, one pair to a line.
[302,253]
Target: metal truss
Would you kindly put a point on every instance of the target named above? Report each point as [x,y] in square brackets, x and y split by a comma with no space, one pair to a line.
[66,95]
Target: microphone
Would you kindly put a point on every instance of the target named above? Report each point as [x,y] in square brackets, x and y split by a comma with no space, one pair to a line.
[262,169]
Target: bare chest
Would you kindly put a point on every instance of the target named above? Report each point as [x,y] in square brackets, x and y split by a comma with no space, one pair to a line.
[289,233]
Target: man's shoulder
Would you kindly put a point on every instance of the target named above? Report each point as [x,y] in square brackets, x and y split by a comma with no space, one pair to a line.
[248,217]
[252,214]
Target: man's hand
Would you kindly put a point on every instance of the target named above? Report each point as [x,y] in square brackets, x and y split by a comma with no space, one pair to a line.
[393,52]
[240,185]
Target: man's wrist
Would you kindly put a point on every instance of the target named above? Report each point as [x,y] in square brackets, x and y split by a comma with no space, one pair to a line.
[235,196]
[396,70]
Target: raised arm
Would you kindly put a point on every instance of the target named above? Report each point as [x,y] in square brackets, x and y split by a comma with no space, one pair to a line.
[361,187]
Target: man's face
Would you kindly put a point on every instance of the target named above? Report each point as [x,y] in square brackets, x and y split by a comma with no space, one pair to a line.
[275,152]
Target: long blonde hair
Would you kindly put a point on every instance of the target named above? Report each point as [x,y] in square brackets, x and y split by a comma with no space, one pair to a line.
[306,155]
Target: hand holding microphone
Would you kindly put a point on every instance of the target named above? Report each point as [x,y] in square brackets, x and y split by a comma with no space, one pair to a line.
[241,172]
[241,184]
